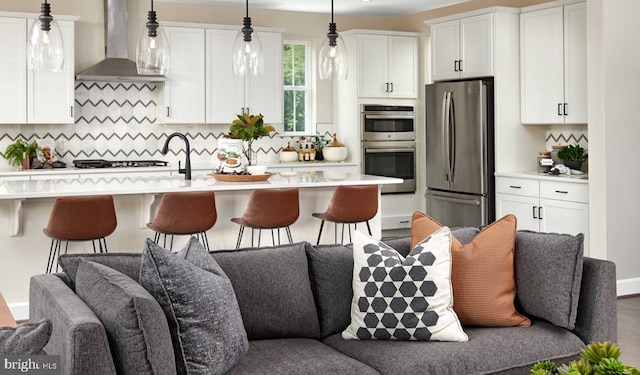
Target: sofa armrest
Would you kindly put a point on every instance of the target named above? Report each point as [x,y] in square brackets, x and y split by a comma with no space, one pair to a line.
[597,318]
[77,334]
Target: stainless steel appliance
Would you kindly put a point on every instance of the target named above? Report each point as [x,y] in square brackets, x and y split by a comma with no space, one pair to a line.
[101,163]
[388,145]
[459,152]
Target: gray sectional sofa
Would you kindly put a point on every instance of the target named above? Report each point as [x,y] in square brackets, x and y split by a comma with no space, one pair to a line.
[295,301]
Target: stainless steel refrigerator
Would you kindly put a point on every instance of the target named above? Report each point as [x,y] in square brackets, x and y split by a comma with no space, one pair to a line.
[459,152]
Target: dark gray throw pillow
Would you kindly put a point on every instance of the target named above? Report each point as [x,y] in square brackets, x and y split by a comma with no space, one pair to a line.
[136,328]
[200,305]
[126,263]
[25,338]
[548,268]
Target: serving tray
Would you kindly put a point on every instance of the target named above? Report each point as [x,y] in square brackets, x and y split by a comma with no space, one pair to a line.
[241,177]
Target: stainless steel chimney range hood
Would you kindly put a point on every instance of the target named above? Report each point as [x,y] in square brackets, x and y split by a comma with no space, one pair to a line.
[116,67]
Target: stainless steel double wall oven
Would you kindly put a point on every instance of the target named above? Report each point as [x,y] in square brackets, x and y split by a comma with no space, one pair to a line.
[389,145]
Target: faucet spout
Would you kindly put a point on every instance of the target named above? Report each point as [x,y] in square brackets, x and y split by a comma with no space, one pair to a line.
[187,163]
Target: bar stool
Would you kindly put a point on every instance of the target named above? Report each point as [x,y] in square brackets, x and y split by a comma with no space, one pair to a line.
[269,209]
[350,205]
[185,214]
[80,219]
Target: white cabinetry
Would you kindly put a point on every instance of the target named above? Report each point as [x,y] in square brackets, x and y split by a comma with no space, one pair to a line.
[184,89]
[387,66]
[545,206]
[462,48]
[553,52]
[34,97]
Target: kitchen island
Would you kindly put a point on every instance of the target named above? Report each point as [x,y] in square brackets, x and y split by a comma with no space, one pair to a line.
[25,205]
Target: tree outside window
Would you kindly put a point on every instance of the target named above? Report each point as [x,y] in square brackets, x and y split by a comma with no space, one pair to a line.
[297,87]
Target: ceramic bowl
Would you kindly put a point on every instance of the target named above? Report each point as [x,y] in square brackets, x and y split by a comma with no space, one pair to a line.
[334,153]
[288,156]
[256,169]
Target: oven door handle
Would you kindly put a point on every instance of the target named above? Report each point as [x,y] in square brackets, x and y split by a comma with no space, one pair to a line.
[388,117]
[388,150]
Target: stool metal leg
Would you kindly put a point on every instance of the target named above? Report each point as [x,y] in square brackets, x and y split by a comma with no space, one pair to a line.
[273,239]
[240,233]
[289,234]
[52,255]
[368,227]
[319,233]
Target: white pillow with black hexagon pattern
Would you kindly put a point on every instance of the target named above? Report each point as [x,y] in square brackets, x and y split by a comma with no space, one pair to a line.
[397,298]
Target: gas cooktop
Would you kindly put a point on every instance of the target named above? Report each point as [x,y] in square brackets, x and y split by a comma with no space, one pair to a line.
[101,163]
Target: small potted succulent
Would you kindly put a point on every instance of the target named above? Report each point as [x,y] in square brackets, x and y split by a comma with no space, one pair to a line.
[249,128]
[597,358]
[572,156]
[20,153]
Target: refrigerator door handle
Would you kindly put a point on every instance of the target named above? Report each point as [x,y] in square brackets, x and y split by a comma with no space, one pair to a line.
[470,202]
[445,134]
[452,140]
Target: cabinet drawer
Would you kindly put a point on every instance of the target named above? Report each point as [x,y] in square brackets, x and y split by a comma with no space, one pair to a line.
[566,191]
[517,186]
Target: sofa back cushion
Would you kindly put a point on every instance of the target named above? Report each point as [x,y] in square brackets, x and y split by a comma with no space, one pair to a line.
[332,273]
[548,270]
[273,289]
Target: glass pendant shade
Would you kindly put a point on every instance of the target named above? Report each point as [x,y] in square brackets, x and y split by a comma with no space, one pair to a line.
[45,49]
[152,52]
[248,59]
[333,60]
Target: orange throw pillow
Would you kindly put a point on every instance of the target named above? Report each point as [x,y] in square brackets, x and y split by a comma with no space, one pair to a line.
[482,275]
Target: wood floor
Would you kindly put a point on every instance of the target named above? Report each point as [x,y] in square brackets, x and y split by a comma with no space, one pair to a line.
[629,330]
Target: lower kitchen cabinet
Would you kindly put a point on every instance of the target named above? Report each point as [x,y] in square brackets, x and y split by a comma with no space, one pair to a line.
[545,206]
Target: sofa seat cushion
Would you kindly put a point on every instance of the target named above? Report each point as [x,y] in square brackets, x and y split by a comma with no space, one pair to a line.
[297,356]
[489,350]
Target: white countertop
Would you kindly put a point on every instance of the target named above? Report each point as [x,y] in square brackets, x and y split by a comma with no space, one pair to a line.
[132,184]
[577,178]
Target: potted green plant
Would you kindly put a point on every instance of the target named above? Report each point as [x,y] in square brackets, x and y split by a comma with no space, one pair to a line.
[249,128]
[597,358]
[20,150]
[573,156]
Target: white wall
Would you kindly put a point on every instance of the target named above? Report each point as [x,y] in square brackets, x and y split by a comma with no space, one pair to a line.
[614,128]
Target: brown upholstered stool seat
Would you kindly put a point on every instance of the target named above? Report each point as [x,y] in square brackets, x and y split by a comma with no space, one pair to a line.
[185,214]
[269,209]
[350,205]
[80,219]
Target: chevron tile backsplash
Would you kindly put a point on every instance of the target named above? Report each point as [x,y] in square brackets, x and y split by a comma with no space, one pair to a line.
[568,135]
[120,121]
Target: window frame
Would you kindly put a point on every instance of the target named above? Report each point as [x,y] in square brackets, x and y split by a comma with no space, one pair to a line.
[309,87]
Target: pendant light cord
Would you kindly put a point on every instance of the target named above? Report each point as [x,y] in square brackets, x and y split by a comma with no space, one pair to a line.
[331,11]
[247,8]
[152,5]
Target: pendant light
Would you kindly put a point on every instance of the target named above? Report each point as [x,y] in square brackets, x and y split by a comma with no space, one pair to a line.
[152,52]
[45,50]
[333,59]
[248,59]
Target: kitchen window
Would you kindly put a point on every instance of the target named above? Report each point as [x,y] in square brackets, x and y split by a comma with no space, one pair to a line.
[297,68]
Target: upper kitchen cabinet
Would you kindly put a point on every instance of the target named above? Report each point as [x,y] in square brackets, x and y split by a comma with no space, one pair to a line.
[387,66]
[462,48]
[553,51]
[34,97]
[184,89]
[228,96]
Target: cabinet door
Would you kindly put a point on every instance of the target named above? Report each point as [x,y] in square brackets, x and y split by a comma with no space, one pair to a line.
[50,95]
[13,70]
[224,92]
[542,66]
[445,50]
[575,63]
[265,94]
[184,90]
[373,65]
[565,217]
[403,67]
[524,208]
[476,46]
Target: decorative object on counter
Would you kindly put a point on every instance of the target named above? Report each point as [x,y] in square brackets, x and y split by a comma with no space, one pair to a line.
[240,177]
[249,128]
[335,151]
[595,358]
[573,156]
[152,51]
[554,153]
[248,59]
[256,169]
[187,162]
[544,161]
[45,49]
[321,142]
[333,60]
[288,154]
[19,151]
[229,156]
